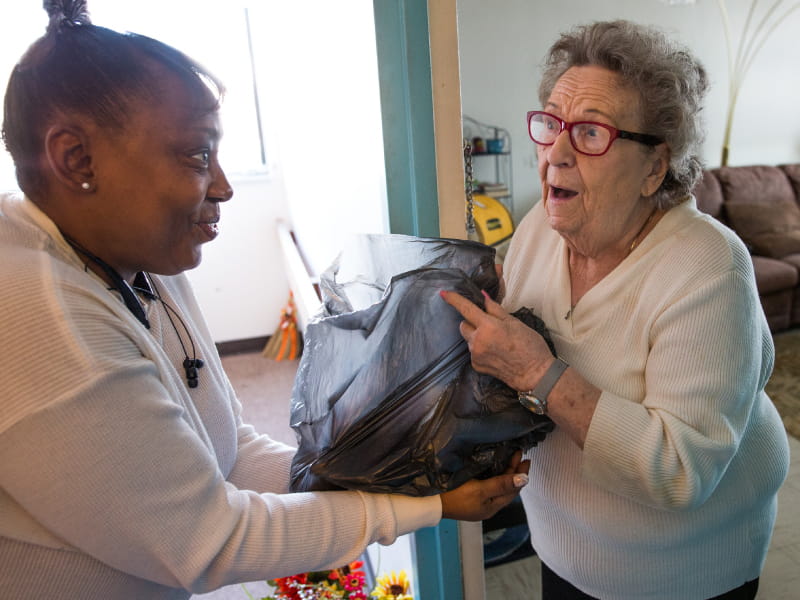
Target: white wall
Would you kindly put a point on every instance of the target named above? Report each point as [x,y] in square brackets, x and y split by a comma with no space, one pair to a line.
[323,108]
[321,115]
[502,44]
[241,283]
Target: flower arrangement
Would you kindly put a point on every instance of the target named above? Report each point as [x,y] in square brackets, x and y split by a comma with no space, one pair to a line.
[346,583]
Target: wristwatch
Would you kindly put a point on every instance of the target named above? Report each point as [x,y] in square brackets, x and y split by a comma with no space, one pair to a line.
[535,400]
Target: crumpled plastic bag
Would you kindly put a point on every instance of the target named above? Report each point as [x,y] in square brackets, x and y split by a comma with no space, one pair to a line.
[385,398]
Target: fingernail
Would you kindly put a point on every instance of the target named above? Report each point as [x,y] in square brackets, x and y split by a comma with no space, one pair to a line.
[520,479]
[441,293]
[485,294]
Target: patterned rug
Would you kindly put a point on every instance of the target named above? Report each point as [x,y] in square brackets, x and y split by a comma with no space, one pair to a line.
[784,385]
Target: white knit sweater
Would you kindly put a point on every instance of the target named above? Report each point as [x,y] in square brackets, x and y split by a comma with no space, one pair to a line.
[116,479]
[674,494]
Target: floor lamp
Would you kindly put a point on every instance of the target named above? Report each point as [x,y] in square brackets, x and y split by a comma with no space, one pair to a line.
[742,52]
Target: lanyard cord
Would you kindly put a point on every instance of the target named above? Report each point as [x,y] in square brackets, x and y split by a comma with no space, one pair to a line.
[147,286]
[118,283]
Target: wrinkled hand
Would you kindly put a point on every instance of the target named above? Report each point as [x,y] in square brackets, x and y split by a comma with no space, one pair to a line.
[478,499]
[500,344]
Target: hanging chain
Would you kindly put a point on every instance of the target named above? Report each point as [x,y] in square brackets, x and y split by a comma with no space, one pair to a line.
[472,233]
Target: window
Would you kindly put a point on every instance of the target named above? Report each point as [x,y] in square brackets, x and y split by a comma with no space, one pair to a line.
[213,33]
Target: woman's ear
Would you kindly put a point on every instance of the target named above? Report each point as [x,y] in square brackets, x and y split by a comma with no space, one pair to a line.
[68,156]
[659,165]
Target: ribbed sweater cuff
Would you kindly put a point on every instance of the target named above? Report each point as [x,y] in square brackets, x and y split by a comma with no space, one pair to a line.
[413,513]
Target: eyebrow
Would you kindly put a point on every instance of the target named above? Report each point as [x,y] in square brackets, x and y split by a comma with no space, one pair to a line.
[212,132]
[590,111]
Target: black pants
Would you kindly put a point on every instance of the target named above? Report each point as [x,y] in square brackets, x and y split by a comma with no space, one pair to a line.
[556,588]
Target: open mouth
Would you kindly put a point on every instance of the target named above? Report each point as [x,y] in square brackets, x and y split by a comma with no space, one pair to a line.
[562,193]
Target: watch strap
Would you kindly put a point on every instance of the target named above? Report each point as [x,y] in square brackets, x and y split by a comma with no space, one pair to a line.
[546,383]
[536,399]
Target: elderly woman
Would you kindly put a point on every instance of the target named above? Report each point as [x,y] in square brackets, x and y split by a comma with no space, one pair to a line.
[126,470]
[660,479]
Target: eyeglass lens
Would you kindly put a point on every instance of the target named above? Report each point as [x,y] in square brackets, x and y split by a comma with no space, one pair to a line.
[589,138]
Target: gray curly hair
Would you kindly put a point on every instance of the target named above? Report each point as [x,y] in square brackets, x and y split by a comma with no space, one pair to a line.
[671,84]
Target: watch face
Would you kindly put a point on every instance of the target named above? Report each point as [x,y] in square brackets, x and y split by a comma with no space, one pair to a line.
[532,403]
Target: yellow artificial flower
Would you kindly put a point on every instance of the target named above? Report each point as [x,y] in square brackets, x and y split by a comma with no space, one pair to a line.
[392,586]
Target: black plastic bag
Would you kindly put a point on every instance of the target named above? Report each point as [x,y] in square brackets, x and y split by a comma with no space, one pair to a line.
[385,399]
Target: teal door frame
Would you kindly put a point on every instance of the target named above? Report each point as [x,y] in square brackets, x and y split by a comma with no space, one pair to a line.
[404,72]
[404,69]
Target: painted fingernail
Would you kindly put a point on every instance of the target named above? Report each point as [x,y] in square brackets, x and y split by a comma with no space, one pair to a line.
[485,294]
[441,293]
[520,479]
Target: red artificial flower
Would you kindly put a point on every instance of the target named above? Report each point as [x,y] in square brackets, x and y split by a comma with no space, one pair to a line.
[356,565]
[353,583]
[287,587]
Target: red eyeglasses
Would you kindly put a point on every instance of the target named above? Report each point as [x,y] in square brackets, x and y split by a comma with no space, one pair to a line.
[587,137]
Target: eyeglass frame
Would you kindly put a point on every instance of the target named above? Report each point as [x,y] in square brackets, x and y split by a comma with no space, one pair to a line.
[643,138]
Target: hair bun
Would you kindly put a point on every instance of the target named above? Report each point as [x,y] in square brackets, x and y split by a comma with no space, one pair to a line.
[66,13]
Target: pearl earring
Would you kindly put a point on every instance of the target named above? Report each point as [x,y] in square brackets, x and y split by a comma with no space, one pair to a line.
[85,185]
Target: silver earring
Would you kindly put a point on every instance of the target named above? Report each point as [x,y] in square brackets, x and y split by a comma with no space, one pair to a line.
[86,185]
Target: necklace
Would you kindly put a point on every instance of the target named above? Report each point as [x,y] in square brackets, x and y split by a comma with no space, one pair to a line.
[631,248]
[145,285]
[636,239]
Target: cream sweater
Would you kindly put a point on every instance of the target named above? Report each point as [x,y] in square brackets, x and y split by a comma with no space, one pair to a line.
[116,479]
[674,494]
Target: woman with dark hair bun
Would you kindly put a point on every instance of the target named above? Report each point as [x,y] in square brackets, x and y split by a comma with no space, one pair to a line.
[125,468]
[660,479]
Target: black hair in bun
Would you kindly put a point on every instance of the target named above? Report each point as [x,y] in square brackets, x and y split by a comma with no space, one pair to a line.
[66,13]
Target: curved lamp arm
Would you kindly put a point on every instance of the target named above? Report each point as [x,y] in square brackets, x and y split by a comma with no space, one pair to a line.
[749,44]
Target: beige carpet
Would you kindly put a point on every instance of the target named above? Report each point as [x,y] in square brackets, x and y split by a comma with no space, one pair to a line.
[264,387]
[784,385]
